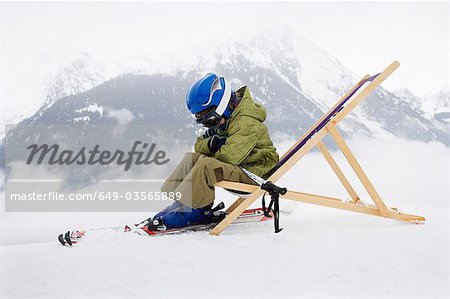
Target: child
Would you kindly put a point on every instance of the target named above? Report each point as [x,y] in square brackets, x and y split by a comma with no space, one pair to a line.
[235,136]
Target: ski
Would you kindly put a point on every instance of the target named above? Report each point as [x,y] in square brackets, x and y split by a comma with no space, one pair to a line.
[71,238]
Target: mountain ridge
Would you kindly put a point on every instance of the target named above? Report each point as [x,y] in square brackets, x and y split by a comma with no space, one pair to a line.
[296,81]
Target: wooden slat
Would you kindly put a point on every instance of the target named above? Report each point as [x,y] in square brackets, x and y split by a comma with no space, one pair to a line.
[324,116]
[338,172]
[236,186]
[250,188]
[358,169]
[329,202]
[349,206]
[365,92]
[236,203]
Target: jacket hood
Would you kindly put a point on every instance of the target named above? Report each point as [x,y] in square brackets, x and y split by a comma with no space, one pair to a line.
[247,107]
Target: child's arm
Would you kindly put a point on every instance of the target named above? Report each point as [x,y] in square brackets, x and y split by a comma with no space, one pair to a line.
[243,136]
[201,146]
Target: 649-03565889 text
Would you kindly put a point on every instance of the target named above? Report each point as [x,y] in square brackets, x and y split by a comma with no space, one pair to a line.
[97,195]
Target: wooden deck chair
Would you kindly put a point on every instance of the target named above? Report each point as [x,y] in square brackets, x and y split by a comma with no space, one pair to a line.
[313,137]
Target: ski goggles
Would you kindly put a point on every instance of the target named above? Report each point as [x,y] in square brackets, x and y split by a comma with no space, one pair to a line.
[208,117]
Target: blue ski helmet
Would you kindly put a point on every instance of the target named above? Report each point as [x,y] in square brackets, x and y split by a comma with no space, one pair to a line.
[208,99]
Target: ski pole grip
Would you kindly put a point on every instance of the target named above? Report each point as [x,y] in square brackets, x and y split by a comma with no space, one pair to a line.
[272,188]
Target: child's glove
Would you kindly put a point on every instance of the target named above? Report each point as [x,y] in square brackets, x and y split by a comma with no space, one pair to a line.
[215,143]
[214,131]
[210,132]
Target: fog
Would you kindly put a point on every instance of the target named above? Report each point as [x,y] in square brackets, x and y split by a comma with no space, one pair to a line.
[411,176]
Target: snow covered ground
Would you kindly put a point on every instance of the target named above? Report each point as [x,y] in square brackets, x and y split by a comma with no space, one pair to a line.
[320,253]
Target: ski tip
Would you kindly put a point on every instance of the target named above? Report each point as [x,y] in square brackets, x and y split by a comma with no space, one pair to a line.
[61,240]
[67,238]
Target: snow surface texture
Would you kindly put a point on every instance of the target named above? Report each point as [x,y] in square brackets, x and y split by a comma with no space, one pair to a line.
[320,253]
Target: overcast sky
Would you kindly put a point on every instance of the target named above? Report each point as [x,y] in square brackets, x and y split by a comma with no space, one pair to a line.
[364,36]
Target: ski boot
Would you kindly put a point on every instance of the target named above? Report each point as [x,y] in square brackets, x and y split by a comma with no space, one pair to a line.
[215,215]
[156,224]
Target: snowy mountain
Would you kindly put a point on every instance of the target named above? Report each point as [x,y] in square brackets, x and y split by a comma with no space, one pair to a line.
[438,105]
[434,106]
[294,79]
[82,73]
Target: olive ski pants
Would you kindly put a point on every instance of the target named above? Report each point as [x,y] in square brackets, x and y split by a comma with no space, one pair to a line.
[195,176]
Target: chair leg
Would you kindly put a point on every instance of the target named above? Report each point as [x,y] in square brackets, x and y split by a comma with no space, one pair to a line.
[358,169]
[235,204]
[338,172]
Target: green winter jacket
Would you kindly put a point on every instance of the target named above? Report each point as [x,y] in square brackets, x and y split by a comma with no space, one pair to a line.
[248,142]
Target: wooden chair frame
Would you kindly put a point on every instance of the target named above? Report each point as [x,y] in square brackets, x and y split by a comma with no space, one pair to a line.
[355,205]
